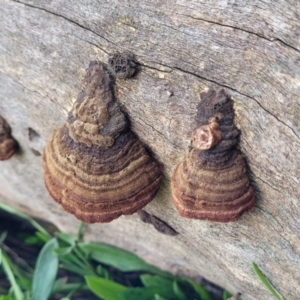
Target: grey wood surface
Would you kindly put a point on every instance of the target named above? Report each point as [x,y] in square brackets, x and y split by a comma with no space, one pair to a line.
[250,48]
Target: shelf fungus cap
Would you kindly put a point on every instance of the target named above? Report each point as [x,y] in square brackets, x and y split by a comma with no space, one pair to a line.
[212,183]
[8,145]
[94,166]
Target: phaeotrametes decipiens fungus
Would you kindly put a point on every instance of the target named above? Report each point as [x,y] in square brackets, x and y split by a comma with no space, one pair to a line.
[212,182]
[94,166]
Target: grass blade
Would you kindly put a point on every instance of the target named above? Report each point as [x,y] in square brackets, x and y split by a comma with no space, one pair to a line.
[3,237]
[265,281]
[179,293]
[25,217]
[23,281]
[11,278]
[45,271]
[201,291]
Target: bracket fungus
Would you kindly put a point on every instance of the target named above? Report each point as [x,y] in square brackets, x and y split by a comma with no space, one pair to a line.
[212,183]
[94,166]
[8,145]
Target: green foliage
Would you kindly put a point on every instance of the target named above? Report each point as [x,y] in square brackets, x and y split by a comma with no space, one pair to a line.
[115,257]
[226,295]
[105,288]
[45,271]
[25,217]
[265,281]
[6,265]
[91,263]
[201,291]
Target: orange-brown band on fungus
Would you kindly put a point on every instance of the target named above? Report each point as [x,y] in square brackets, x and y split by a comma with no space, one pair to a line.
[207,136]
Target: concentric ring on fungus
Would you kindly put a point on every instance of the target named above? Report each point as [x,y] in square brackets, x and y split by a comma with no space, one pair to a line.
[94,166]
[212,183]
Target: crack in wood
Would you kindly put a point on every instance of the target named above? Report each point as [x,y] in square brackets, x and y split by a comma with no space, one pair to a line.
[243,30]
[65,18]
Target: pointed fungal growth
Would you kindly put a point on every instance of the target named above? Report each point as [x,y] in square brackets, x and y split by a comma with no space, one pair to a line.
[157,223]
[8,145]
[212,183]
[94,166]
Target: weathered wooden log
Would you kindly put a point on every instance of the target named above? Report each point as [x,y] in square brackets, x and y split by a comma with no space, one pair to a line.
[249,48]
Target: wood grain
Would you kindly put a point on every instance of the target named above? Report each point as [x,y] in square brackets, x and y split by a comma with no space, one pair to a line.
[250,48]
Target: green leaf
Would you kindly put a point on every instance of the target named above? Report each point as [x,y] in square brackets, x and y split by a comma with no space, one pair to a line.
[69,287]
[226,295]
[201,291]
[33,240]
[3,237]
[72,258]
[58,284]
[25,217]
[43,237]
[178,291]
[147,293]
[45,271]
[11,278]
[75,268]
[72,261]
[155,285]
[162,286]
[102,272]
[139,293]
[63,251]
[104,288]
[67,238]
[154,280]
[265,281]
[117,258]
[6,297]
[158,297]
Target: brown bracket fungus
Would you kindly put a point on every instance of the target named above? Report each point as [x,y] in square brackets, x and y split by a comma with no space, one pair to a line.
[212,183]
[94,166]
[8,145]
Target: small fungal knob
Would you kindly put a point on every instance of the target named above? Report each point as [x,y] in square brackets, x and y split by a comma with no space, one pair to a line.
[122,65]
[8,144]
[207,136]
